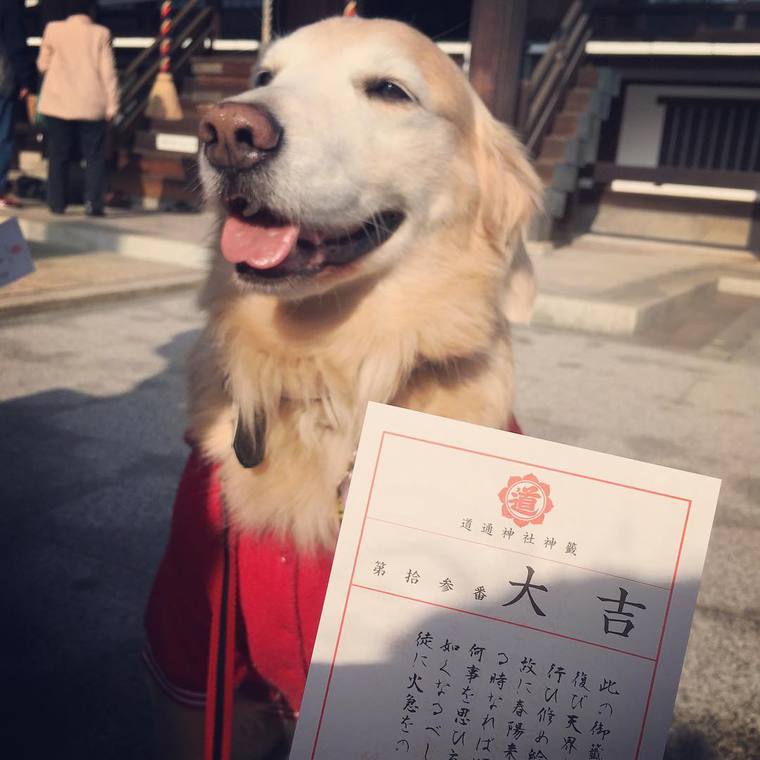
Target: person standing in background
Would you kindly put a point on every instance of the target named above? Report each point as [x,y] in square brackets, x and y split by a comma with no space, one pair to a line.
[16,80]
[80,95]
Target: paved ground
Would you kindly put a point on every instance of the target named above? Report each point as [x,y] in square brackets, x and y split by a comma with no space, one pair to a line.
[91,447]
[694,412]
[61,279]
[625,286]
[600,283]
[174,226]
[91,451]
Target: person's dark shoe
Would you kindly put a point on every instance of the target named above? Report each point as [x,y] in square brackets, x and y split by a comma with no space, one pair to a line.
[91,210]
[57,211]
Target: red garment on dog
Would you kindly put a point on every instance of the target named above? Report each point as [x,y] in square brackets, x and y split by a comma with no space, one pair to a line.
[278,602]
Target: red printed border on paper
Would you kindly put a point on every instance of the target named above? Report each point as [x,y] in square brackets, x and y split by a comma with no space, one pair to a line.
[351,584]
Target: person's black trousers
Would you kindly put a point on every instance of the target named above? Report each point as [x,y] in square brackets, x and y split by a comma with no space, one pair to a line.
[61,134]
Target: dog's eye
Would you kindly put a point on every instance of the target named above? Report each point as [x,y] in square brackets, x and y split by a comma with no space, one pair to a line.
[387,90]
[263,78]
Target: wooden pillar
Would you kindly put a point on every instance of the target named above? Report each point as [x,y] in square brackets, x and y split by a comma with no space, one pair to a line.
[290,14]
[497,34]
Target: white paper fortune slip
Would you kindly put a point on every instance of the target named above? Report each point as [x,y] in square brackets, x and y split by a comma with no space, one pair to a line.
[15,258]
[498,596]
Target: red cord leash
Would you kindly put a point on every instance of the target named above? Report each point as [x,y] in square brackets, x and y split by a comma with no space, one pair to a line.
[221,656]
[221,662]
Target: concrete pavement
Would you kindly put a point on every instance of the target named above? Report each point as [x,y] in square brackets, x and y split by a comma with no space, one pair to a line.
[629,286]
[80,259]
[93,401]
[663,367]
[65,279]
[90,454]
[691,411]
[181,239]
[599,283]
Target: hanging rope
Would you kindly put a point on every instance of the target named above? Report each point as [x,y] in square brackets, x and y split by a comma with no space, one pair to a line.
[266,23]
[165,32]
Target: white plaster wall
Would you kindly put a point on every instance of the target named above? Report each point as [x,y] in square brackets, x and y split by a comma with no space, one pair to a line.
[643,118]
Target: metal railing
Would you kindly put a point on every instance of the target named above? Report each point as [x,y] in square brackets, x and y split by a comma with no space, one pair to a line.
[192,26]
[543,93]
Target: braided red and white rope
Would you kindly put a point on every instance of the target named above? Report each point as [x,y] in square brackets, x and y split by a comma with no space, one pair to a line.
[165,31]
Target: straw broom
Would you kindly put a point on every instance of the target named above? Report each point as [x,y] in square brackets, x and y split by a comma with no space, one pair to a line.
[163,101]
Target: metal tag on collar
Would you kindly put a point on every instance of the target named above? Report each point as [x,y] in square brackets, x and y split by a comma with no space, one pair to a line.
[250,445]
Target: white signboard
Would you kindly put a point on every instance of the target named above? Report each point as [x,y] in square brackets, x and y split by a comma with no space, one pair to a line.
[15,258]
[176,143]
[498,596]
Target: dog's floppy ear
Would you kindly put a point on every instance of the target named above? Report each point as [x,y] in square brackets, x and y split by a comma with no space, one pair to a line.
[519,292]
[510,196]
[510,188]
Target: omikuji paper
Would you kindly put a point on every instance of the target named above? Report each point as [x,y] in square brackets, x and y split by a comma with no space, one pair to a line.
[498,596]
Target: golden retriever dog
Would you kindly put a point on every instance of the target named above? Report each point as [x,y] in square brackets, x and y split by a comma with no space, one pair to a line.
[370,220]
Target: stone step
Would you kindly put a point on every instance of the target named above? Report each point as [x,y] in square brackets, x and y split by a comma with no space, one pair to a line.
[574,123]
[199,102]
[228,83]
[675,219]
[592,101]
[156,192]
[737,332]
[558,176]
[636,309]
[63,281]
[580,98]
[554,203]
[147,241]
[740,286]
[596,243]
[601,78]
[702,325]
[158,164]
[166,143]
[209,91]
[233,66]
[587,76]
[192,109]
[545,171]
[187,125]
[561,149]
[590,142]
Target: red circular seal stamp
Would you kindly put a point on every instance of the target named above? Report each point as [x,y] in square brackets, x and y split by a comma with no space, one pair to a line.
[525,500]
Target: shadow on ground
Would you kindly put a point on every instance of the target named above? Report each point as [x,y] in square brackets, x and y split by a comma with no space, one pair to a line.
[87,488]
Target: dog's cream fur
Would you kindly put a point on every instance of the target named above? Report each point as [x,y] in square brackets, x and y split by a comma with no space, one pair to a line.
[419,322]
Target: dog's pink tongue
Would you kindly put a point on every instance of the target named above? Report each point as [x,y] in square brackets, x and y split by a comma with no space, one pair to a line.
[259,246]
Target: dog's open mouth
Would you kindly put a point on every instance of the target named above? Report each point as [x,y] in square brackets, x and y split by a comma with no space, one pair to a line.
[264,246]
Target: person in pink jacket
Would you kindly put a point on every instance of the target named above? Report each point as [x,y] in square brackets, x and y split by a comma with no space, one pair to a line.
[80,95]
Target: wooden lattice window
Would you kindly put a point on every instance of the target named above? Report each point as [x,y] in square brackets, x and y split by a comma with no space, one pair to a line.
[716,134]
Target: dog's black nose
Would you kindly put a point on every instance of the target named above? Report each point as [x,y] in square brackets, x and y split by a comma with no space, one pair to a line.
[239,135]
